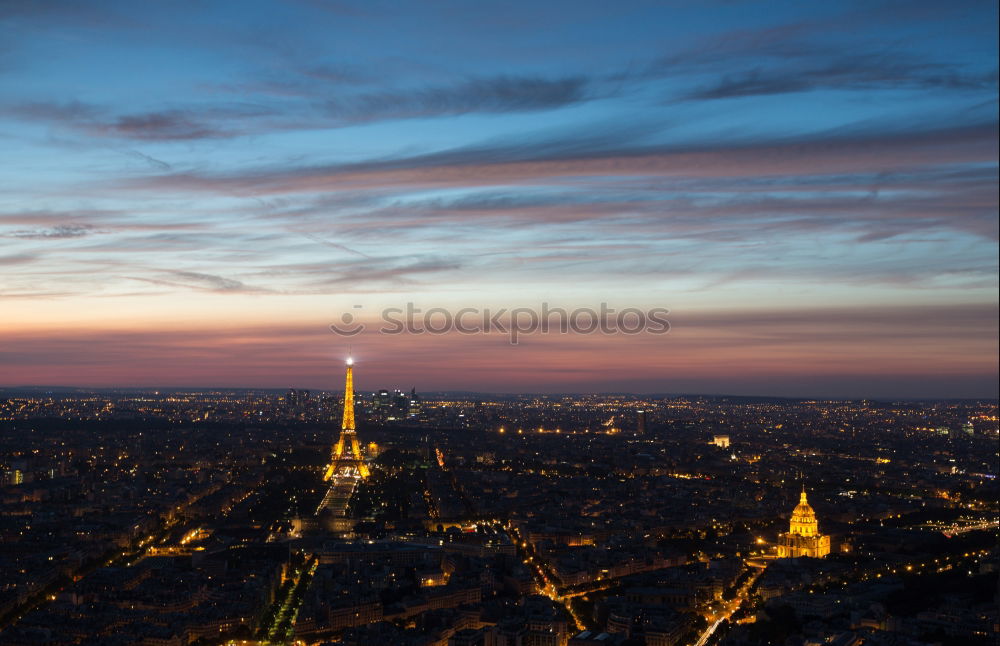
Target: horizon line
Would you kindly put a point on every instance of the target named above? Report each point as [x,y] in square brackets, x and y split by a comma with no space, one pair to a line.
[802,398]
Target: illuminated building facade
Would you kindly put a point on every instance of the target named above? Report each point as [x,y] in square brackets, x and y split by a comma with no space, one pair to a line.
[346,459]
[803,537]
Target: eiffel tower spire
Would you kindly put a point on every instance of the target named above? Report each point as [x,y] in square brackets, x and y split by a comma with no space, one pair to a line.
[346,458]
[348,421]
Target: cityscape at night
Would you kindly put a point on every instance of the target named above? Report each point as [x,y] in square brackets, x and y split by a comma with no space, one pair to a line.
[243,517]
[553,323]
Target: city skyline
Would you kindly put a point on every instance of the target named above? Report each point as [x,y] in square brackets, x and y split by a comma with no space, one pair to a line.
[451,323]
[200,192]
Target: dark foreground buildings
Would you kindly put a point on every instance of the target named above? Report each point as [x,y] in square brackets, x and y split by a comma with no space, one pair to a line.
[191,518]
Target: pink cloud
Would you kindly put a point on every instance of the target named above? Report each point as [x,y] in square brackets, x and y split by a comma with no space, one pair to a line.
[486,167]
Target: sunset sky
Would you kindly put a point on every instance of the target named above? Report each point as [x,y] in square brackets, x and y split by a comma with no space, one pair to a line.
[192,192]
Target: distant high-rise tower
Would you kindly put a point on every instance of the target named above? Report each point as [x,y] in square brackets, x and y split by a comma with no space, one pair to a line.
[414,410]
[346,458]
[640,428]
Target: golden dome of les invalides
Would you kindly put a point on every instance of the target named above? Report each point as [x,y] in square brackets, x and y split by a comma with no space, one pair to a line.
[803,537]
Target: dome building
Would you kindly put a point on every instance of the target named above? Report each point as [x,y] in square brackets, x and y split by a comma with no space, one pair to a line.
[803,537]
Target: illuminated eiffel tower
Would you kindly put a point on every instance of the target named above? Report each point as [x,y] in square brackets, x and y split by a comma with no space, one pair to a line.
[346,457]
